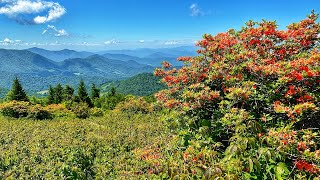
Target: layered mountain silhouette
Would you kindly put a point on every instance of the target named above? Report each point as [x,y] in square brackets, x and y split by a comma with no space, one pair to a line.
[59,56]
[35,69]
[38,68]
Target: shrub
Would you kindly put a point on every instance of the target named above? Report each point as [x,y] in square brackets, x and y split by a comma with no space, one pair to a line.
[252,93]
[96,112]
[38,112]
[110,101]
[135,105]
[19,109]
[15,109]
[58,110]
[81,110]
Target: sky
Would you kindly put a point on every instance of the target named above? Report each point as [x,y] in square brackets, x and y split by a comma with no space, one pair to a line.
[98,25]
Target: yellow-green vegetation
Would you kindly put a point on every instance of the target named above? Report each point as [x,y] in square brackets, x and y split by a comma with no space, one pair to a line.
[104,147]
[239,110]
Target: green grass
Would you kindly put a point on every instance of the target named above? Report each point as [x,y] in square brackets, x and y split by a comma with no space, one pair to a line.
[78,149]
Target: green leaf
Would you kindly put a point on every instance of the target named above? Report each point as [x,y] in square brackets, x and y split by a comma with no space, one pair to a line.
[281,171]
[256,162]
[250,165]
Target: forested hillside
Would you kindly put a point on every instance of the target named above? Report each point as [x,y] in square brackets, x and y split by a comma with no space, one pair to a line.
[144,84]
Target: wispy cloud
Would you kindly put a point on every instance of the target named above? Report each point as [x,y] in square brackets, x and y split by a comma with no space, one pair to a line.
[196,10]
[32,11]
[171,42]
[7,41]
[112,42]
[55,32]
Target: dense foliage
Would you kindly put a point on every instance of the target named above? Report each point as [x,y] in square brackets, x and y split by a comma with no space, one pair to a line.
[253,97]
[21,109]
[78,149]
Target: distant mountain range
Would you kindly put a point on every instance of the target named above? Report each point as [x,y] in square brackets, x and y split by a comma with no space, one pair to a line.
[38,68]
[145,52]
[59,56]
[152,57]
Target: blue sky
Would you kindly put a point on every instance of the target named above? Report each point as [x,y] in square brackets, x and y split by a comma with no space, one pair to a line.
[125,24]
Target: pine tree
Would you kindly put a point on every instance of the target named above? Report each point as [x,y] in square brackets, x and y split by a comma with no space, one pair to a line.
[113,91]
[83,95]
[51,94]
[95,92]
[58,94]
[17,93]
[68,93]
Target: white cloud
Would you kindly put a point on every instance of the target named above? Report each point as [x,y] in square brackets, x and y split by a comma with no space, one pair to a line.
[173,42]
[112,41]
[55,31]
[195,10]
[28,11]
[7,41]
[141,41]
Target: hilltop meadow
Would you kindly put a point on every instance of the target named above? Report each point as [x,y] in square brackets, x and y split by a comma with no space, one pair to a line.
[247,106]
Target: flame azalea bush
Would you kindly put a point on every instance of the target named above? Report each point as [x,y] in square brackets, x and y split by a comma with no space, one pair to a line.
[21,109]
[252,95]
[58,110]
[135,105]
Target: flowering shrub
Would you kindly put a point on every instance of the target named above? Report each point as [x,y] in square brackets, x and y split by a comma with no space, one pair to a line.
[15,109]
[81,110]
[96,112]
[135,105]
[38,112]
[255,92]
[19,109]
[58,110]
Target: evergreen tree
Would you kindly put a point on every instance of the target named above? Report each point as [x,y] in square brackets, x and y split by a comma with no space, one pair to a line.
[95,92]
[83,95]
[51,94]
[113,91]
[17,93]
[68,93]
[58,94]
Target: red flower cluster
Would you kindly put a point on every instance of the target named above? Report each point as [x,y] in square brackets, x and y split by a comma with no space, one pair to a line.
[305,98]
[304,165]
[301,146]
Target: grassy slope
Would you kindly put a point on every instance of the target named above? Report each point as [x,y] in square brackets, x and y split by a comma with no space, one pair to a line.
[96,147]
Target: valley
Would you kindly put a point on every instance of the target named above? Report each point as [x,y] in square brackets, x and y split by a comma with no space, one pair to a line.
[38,68]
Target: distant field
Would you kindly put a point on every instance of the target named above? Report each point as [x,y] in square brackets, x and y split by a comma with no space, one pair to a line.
[78,149]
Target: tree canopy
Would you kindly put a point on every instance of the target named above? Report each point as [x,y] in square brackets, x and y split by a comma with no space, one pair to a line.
[17,92]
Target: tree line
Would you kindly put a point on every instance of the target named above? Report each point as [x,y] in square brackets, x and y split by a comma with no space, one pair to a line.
[59,94]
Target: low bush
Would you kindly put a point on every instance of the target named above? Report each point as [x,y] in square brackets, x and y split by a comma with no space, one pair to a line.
[58,110]
[135,105]
[96,112]
[20,109]
[15,109]
[66,148]
[81,110]
[38,112]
